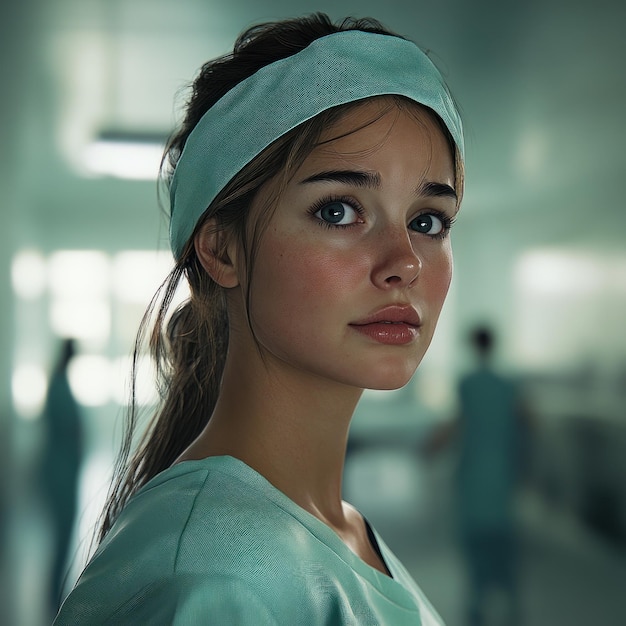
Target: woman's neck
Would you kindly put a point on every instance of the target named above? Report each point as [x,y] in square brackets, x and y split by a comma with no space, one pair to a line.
[289,426]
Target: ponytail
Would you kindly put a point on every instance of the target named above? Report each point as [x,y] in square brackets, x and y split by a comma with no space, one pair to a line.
[188,353]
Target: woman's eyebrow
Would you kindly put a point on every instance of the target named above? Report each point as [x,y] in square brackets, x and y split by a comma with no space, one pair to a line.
[356,178]
[436,190]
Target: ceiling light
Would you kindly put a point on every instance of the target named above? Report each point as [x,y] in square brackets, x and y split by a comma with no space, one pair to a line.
[124,155]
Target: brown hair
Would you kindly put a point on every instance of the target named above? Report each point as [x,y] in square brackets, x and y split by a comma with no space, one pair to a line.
[189,347]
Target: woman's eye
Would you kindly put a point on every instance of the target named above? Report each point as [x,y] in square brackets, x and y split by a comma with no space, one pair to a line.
[427,224]
[337,213]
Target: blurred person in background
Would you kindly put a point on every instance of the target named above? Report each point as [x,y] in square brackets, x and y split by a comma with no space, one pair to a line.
[491,438]
[59,469]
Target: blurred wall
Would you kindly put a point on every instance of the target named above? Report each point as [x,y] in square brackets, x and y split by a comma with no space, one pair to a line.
[17,39]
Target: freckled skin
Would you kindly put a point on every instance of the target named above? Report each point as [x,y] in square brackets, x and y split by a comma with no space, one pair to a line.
[310,282]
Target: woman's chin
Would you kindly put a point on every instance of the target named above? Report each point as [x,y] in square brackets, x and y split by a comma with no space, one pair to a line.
[391,382]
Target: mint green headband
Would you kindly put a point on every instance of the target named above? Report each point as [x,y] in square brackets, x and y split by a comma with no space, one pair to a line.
[333,70]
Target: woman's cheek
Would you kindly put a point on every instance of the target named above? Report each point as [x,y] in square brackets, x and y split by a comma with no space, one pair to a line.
[320,267]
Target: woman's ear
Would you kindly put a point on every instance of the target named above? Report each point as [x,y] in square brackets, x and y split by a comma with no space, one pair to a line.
[217,253]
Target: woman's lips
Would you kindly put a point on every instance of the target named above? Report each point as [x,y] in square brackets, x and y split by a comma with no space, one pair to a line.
[392,325]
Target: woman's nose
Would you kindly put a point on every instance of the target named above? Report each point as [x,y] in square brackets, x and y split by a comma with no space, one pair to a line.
[397,264]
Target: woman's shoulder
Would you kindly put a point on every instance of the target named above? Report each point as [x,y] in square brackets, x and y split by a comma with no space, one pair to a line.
[195,514]
[198,525]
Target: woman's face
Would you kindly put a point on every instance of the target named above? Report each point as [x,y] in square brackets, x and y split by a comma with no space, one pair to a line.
[354,266]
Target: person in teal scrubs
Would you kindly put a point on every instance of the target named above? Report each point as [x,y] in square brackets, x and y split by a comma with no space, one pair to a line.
[59,466]
[493,431]
[313,184]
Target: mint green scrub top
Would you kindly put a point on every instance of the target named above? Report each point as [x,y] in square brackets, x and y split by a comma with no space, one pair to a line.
[213,542]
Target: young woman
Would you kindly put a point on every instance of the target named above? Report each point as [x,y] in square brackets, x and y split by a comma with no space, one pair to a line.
[313,186]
